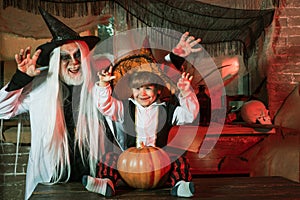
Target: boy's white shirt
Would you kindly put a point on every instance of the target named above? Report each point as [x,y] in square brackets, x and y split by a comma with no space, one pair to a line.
[146,117]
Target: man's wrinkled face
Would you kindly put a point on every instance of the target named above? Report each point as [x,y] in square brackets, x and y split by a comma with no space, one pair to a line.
[70,64]
[145,95]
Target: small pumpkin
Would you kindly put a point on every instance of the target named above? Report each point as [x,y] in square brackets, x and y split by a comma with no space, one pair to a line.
[144,167]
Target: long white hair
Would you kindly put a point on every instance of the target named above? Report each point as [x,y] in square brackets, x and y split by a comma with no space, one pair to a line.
[89,126]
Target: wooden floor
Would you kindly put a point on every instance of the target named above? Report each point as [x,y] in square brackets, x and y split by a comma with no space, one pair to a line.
[232,188]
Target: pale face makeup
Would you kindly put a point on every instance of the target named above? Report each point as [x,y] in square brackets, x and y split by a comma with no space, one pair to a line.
[70,64]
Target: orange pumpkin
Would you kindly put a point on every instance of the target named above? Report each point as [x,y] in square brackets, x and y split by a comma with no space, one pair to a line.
[145,167]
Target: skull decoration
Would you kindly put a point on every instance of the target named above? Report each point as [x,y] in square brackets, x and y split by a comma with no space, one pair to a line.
[255,111]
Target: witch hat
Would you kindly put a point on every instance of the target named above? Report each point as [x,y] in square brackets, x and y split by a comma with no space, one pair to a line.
[61,34]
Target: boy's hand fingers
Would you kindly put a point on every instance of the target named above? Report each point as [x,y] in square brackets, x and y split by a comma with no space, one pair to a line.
[183,37]
[110,70]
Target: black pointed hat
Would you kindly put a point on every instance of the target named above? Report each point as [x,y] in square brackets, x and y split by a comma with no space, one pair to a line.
[61,34]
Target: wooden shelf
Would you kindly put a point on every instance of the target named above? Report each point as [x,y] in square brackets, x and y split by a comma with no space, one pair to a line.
[217,150]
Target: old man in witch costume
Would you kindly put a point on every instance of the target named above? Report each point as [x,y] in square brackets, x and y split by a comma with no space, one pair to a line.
[66,127]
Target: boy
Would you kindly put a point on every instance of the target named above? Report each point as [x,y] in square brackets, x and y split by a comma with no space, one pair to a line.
[135,114]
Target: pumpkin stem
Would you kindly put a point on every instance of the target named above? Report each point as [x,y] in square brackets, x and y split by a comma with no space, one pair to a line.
[142,144]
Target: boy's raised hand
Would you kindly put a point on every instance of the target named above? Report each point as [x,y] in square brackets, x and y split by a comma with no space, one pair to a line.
[184,83]
[105,77]
[185,45]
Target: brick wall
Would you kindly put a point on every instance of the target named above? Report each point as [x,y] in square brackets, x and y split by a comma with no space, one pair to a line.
[12,185]
[284,53]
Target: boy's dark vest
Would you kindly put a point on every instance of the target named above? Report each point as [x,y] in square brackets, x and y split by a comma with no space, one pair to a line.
[165,116]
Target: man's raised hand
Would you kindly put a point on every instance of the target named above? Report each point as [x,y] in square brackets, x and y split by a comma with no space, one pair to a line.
[26,64]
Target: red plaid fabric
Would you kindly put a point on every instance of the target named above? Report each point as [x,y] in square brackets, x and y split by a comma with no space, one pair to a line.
[107,167]
[180,170]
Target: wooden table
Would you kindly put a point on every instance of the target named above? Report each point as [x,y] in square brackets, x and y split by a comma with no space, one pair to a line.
[232,188]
